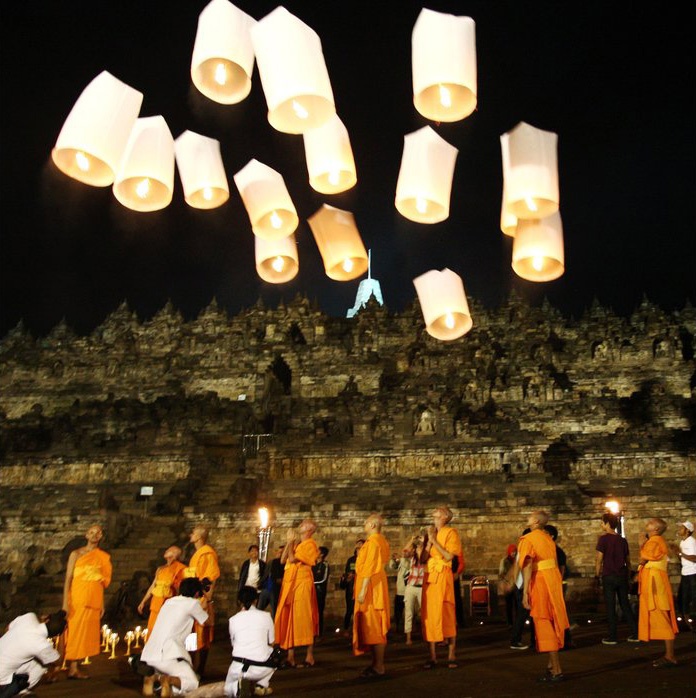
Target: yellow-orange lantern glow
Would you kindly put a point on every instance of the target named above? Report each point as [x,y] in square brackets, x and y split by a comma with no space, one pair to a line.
[339,243]
[201,170]
[443,49]
[145,180]
[530,171]
[276,260]
[537,250]
[293,72]
[223,57]
[443,302]
[267,201]
[91,143]
[424,186]
[330,161]
[508,220]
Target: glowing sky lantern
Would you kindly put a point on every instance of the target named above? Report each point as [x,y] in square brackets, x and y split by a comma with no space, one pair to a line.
[424,186]
[267,201]
[508,220]
[537,250]
[276,260]
[201,170]
[145,180]
[330,161]
[293,72]
[223,57]
[443,60]
[530,171]
[339,243]
[93,139]
[444,305]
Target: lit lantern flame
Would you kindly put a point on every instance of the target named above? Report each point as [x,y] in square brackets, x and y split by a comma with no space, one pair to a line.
[207,193]
[348,265]
[299,110]
[263,517]
[220,74]
[276,220]
[421,205]
[82,161]
[445,97]
[143,188]
[278,264]
[613,506]
[531,204]
[334,177]
[449,321]
[538,263]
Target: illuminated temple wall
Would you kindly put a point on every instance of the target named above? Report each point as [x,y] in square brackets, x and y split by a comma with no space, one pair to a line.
[335,418]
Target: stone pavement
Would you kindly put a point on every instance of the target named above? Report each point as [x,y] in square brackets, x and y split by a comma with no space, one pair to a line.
[487,668]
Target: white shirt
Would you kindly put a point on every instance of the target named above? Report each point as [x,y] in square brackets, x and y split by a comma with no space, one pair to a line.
[253,576]
[252,634]
[173,624]
[688,547]
[25,639]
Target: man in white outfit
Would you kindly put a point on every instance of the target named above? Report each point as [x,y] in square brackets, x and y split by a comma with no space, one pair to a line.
[165,650]
[252,636]
[26,651]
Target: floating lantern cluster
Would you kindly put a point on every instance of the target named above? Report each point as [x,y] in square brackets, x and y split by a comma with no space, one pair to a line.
[105,142]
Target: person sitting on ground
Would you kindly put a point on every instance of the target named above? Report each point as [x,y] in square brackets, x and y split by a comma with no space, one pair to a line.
[165,650]
[252,635]
[26,652]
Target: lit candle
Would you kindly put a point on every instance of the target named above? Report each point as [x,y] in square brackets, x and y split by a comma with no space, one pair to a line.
[138,633]
[144,634]
[130,635]
[114,641]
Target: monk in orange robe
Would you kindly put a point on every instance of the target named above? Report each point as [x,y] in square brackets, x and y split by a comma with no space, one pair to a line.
[297,615]
[87,575]
[656,618]
[371,611]
[438,609]
[164,586]
[203,565]
[542,593]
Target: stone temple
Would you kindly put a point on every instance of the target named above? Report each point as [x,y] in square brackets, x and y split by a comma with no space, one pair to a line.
[335,418]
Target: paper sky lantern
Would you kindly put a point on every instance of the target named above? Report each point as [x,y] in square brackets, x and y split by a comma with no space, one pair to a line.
[508,220]
[443,61]
[443,302]
[145,180]
[537,250]
[339,243]
[223,57]
[530,171]
[201,170]
[425,179]
[276,260]
[267,201]
[330,161]
[94,136]
[293,72]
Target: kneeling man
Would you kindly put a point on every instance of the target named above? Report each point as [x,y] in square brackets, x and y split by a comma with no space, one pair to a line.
[165,650]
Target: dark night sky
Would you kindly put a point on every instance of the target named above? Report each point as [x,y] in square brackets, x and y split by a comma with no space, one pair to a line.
[614,81]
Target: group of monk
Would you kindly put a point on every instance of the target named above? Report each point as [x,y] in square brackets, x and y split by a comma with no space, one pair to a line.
[297,618]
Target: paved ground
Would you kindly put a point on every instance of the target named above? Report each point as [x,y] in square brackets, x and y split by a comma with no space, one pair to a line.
[487,668]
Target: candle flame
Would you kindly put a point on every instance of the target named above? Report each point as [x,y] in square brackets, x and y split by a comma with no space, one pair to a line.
[334,177]
[531,203]
[208,193]
[278,263]
[276,220]
[348,265]
[263,517]
[421,205]
[445,97]
[538,262]
[449,321]
[82,161]
[613,507]
[143,188]
[299,110]
[220,74]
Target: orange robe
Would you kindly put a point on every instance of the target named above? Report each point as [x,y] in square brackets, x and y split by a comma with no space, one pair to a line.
[91,575]
[204,563]
[371,617]
[297,615]
[656,617]
[545,590]
[167,580]
[438,610]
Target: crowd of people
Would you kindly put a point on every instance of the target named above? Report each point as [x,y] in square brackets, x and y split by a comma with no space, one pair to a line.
[293,586]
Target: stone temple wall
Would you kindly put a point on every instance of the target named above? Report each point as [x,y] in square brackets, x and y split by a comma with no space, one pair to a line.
[334,419]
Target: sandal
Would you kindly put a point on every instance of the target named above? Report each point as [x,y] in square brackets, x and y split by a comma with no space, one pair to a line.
[663,663]
[370,673]
[430,664]
[305,665]
[452,664]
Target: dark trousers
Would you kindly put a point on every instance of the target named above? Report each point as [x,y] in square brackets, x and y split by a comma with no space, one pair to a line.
[350,604]
[510,608]
[399,612]
[521,620]
[458,603]
[686,596]
[616,586]
[321,603]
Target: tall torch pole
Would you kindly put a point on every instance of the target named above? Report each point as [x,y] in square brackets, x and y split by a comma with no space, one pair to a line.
[264,533]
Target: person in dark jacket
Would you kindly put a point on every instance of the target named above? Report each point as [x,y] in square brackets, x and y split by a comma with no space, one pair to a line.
[252,571]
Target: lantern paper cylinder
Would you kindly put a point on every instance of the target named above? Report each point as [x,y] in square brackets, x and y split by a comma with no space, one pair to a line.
[339,243]
[276,260]
[443,302]
[425,179]
[91,143]
[330,161]
[443,57]
[267,201]
[530,171]
[223,57]
[201,170]
[537,250]
[293,72]
[145,180]
[508,221]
